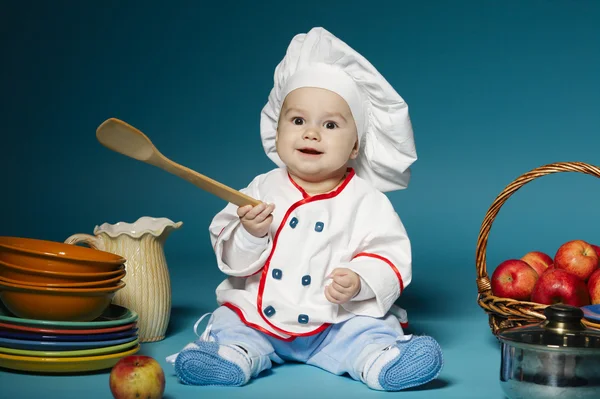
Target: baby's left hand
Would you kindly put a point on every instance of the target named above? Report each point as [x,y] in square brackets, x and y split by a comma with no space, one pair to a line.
[345,285]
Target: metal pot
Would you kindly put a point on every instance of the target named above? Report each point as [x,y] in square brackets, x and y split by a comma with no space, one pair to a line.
[557,358]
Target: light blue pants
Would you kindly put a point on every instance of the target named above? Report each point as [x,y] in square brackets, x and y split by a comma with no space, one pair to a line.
[341,348]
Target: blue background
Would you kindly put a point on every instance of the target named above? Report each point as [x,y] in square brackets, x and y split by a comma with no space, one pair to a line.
[494,89]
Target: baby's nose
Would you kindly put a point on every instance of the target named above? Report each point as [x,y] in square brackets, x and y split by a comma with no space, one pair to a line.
[312,134]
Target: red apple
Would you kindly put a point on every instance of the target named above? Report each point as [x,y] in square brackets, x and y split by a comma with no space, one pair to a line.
[559,286]
[137,376]
[576,257]
[538,260]
[514,279]
[597,249]
[593,286]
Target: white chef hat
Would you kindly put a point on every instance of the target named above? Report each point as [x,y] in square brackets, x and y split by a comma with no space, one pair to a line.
[319,59]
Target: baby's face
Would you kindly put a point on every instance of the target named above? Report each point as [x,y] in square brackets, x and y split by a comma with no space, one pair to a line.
[316,134]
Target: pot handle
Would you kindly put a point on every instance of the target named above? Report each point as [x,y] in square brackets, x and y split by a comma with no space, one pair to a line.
[561,316]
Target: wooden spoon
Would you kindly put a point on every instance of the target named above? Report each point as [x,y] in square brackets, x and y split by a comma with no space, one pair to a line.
[127,140]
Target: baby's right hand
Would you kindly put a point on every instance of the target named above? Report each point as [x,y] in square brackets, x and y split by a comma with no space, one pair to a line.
[256,220]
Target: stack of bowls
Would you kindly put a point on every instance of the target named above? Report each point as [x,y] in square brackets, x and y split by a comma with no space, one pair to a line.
[54,282]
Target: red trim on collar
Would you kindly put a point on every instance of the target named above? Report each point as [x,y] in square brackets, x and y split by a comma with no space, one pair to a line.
[265,270]
[305,195]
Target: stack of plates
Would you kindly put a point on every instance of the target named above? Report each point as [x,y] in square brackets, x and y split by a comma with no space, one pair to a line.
[67,346]
[591,316]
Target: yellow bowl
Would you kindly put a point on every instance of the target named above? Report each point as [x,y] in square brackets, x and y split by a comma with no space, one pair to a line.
[31,276]
[58,304]
[56,256]
[63,364]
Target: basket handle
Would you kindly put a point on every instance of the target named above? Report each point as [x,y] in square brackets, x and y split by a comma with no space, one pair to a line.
[483,281]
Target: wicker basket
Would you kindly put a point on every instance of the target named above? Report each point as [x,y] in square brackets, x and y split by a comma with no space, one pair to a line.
[505,312]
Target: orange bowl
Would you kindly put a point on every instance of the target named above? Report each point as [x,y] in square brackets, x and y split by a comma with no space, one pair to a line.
[86,284]
[32,276]
[58,304]
[56,256]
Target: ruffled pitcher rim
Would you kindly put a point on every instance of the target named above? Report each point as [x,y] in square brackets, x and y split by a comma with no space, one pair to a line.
[144,225]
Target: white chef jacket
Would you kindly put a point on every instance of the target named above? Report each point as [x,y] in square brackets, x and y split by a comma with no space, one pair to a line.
[276,283]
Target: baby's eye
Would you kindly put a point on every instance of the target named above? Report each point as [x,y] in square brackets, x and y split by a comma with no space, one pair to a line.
[298,121]
[330,125]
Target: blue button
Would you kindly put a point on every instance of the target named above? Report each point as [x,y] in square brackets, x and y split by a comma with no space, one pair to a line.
[303,319]
[319,227]
[277,274]
[306,280]
[293,222]
[269,311]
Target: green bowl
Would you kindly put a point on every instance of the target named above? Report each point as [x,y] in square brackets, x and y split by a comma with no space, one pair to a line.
[84,352]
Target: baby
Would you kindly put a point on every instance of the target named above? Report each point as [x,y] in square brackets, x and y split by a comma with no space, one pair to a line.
[315,269]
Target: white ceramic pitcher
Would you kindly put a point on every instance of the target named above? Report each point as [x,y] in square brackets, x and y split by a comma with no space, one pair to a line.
[148,285]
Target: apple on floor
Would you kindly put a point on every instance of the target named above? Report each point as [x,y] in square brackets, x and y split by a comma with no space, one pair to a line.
[137,376]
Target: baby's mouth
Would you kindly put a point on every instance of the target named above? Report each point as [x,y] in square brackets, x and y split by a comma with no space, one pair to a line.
[310,151]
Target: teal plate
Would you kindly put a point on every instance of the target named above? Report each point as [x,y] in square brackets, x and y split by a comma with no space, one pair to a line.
[114,315]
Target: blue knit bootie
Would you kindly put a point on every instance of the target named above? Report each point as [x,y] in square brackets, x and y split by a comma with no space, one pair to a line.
[404,365]
[208,363]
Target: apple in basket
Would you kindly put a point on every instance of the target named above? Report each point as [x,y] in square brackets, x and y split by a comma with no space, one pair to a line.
[538,260]
[576,257]
[514,279]
[593,286]
[560,286]
[597,249]
[137,376]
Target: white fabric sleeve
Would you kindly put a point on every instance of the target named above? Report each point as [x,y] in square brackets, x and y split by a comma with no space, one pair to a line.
[238,253]
[365,291]
[383,261]
[243,248]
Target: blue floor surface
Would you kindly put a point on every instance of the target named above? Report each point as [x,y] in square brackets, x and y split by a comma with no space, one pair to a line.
[471,355]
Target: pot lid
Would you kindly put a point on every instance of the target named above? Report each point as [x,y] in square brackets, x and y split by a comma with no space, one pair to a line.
[562,328]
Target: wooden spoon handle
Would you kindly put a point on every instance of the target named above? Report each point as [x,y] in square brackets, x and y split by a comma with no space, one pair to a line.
[131,142]
[204,182]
